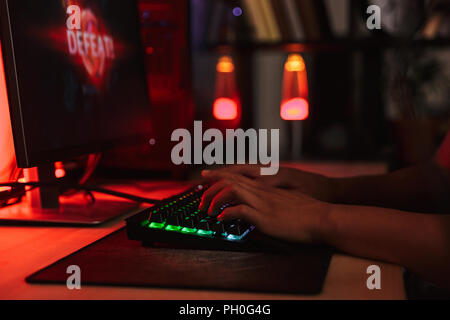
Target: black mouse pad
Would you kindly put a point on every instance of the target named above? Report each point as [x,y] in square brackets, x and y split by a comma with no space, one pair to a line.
[117,261]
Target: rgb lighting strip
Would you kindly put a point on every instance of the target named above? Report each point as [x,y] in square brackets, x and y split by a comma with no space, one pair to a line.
[195,232]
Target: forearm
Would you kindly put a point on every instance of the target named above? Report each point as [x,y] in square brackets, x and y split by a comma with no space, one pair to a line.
[418,242]
[424,188]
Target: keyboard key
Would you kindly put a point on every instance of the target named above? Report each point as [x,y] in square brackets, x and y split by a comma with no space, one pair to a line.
[196,219]
[173,228]
[219,227]
[156,225]
[204,233]
[157,217]
[237,229]
[188,223]
[189,230]
[173,220]
[202,215]
[205,225]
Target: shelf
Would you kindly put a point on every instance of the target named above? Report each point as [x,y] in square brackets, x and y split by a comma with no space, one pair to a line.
[332,45]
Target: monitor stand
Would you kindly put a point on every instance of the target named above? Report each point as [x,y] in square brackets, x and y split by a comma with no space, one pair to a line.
[44,206]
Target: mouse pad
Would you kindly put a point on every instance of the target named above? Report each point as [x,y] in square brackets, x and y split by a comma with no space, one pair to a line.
[117,261]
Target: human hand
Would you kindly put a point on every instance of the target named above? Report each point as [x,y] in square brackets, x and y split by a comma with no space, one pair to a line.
[279,213]
[314,185]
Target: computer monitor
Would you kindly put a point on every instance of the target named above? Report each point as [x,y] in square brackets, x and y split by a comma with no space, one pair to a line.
[75,77]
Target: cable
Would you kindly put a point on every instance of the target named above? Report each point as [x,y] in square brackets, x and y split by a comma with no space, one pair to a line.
[91,165]
[119,194]
[84,188]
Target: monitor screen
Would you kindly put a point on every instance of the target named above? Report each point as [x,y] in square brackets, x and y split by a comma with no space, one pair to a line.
[75,77]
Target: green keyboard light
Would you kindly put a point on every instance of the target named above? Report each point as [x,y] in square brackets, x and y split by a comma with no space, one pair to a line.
[188,231]
[155,225]
[204,233]
[173,228]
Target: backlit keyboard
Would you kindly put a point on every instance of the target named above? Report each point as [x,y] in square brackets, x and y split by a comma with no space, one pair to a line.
[178,221]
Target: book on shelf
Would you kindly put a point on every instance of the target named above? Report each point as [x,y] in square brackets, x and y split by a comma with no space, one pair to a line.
[307,13]
[293,20]
[282,19]
[323,18]
[270,19]
[256,16]
[339,14]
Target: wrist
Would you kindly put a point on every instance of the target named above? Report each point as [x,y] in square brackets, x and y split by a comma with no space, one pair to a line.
[333,185]
[323,228]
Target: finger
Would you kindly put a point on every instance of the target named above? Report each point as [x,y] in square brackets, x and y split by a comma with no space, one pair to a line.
[224,175]
[250,171]
[207,174]
[210,193]
[252,186]
[272,181]
[215,174]
[234,194]
[225,179]
[244,212]
[226,196]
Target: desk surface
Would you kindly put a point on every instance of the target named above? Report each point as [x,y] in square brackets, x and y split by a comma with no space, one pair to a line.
[24,250]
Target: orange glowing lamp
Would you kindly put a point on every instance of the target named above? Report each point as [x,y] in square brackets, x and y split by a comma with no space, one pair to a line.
[295,105]
[227,103]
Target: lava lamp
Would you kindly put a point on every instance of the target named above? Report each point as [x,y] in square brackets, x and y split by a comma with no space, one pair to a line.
[227,103]
[294,104]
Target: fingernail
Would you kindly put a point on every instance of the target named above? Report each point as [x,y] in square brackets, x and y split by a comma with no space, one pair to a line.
[206,172]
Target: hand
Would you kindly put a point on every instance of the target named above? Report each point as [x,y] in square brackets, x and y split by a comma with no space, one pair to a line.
[275,212]
[314,185]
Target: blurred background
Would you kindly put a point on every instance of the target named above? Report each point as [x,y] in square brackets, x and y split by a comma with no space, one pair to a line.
[337,90]
[378,95]
[373,94]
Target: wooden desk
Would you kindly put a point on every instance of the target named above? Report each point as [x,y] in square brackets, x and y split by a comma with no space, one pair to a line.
[24,250]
